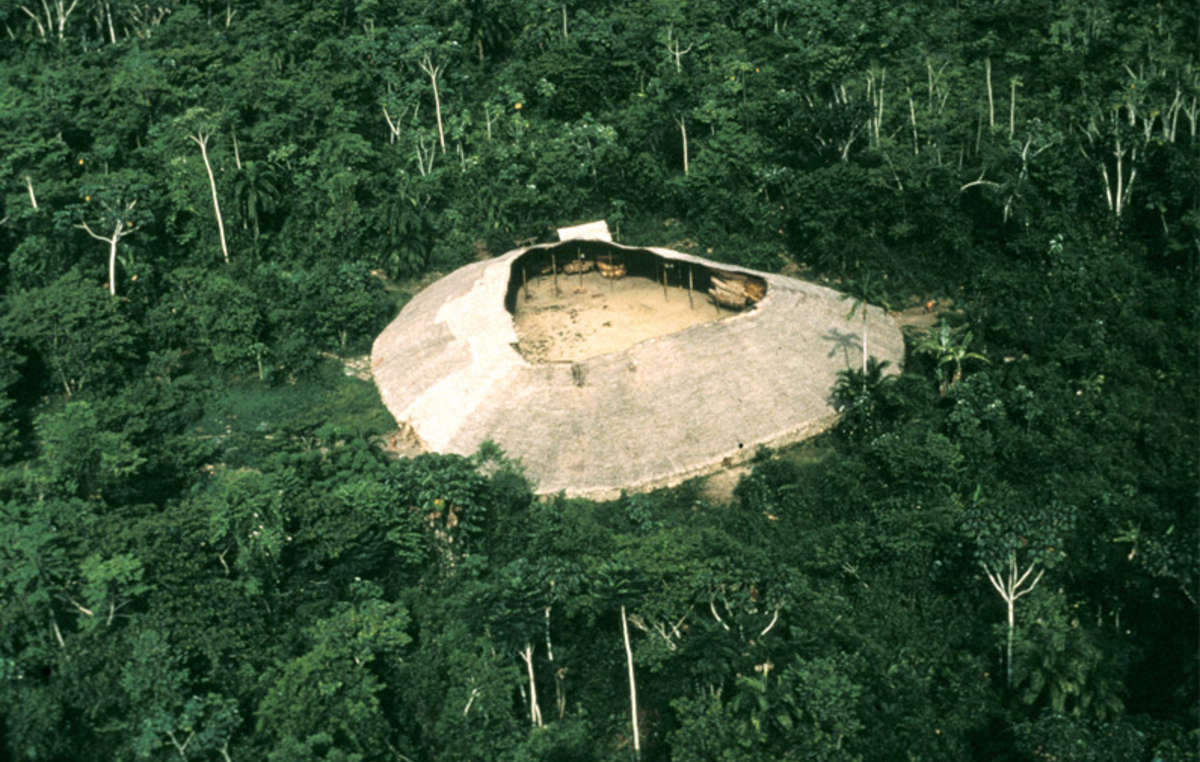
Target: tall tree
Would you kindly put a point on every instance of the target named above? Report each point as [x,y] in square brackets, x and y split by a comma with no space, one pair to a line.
[1016,543]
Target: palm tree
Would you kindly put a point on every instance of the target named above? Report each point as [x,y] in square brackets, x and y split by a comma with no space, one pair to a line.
[863,291]
[950,347]
[257,193]
[864,401]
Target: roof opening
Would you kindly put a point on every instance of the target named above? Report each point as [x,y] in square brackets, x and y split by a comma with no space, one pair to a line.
[581,299]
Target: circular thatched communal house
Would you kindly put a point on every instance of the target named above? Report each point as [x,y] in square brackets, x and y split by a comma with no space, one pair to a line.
[606,368]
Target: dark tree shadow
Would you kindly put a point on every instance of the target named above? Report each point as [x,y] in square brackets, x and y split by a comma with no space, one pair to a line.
[843,342]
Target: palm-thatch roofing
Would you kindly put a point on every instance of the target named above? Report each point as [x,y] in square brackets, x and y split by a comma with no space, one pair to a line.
[655,414]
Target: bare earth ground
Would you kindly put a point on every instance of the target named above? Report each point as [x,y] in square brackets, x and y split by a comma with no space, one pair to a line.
[598,316]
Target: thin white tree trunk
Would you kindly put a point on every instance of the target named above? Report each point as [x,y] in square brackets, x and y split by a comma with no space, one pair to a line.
[560,698]
[1010,588]
[1008,647]
[487,120]
[535,711]
[676,51]
[201,139]
[427,66]
[112,260]
[394,126]
[41,29]
[991,101]
[29,185]
[437,107]
[912,115]
[119,232]
[1120,180]
[879,104]
[637,743]
[237,151]
[54,624]
[683,134]
[112,33]
[866,337]
[1012,108]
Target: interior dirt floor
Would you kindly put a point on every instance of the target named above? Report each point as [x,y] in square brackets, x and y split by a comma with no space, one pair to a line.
[592,315]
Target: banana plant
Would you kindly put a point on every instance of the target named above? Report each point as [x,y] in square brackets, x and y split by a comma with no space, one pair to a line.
[950,348]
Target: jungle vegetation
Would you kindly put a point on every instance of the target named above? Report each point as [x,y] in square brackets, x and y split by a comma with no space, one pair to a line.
[208,205]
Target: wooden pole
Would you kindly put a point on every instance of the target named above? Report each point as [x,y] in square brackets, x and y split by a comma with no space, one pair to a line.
[664,271]
[691,305]
[524,283]
[580,253]
[554,267]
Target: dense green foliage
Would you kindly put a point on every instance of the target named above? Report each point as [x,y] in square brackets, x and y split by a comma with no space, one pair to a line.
[205,553]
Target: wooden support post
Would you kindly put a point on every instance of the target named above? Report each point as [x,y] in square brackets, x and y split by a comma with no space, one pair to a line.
[664,271]
[691,305]
[580,259]
[524,283]
[554,267]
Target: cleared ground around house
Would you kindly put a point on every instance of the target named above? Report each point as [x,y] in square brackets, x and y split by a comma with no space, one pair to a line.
[593,315]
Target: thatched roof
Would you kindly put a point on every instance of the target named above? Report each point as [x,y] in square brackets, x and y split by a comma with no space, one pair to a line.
[655,414]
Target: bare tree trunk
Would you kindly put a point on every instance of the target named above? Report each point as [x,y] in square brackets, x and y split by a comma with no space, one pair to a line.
[991,101]
[875,82]
[29,185]
[637,743]
[487,121]
[866,352]
[425,158]
[427,66]
[56,20]
[1119,196]
[38,22]
[912,115]
[560,696]
[1011,587]
[112,260]
[535,711]
[201,139]
[683,134]
[237,152]
[393,127]
[54,621]
[675,51]
[1012,107]
[180,748]
[119,232]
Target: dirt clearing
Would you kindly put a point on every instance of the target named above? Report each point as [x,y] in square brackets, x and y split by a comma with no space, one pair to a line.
[593,315]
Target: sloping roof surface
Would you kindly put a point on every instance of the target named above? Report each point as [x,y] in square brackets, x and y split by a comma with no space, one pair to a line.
[655,414]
